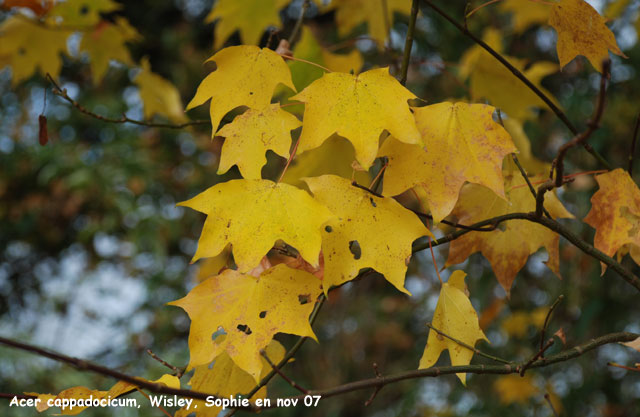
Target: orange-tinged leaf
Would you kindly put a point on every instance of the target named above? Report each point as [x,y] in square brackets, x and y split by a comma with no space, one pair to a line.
[615,213]
[377,14]
[249,17]
[245,76]
[252,215]
[27,47]
[515,389]
[251,134]
[454,316]
[359,108]
[381,228]
[582,31]
[226,379]
[461,143]
[158,94]
[507,250]
[107,42]
[239,314]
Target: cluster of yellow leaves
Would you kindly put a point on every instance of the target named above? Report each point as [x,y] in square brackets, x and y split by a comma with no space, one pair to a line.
[250,18]
[28,45]
[82,393]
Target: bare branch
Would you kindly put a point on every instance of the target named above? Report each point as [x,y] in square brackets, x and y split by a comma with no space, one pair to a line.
[60,92]
[472,369]
[547,319]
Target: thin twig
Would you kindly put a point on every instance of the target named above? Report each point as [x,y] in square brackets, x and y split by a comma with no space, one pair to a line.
[305,61]
[472,12]
[559,113]
[537,356]
[628,368]
[547,319]
[282,375]
[636,129]
[377,389]
[472,348]
[553,410]
[298,25]
[293,154]
[528,181]
[60,92]
[557,165]
[408,43]
[592,125]
[178,371]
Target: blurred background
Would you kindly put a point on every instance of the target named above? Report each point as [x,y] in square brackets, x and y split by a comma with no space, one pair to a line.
[92,245]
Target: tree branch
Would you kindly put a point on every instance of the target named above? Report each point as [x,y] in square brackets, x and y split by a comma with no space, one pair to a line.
[60,92]
[408,43]
[83,365]
[380,381]
[549,224]
[559,113]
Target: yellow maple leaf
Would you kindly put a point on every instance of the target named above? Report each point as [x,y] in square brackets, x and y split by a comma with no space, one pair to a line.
[507,250]
[615,213]
[493,81]
[335,156]
[80,13]
[359,108]
[309,49]
[158,94]
[226,379]
[381,228]
[454,316]
[252,215]
[461,143]
[515,389]
[351,13]
[526,13]
[249,17]
[582,31]
[84,393]
[27,47]
[244,312]
[251,134]
[107,42]
[245,76]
